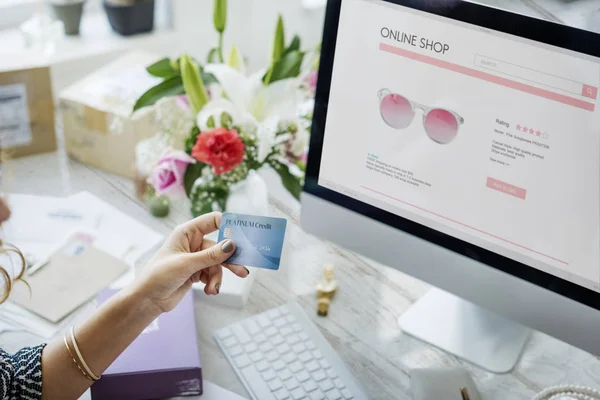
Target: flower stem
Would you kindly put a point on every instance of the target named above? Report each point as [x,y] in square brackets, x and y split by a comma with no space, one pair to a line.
[221,58]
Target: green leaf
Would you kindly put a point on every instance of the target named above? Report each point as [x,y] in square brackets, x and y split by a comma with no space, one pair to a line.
[190,141]
[294,45]
[220,15]
[289,181]
[162,69]
[279,40]
[287,67]
[208,78]
[192,173]
[172,86]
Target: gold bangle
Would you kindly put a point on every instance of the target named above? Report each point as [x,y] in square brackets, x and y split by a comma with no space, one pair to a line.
[73,358]
[85,366]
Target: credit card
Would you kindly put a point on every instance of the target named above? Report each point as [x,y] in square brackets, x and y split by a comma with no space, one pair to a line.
[258,240]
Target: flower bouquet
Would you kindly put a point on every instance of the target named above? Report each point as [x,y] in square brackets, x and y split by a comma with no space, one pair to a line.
[218,125]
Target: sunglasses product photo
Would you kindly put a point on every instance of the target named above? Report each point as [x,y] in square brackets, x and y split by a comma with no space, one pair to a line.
[398,112]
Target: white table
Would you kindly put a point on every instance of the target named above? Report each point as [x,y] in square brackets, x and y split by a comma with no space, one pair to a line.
[362,323]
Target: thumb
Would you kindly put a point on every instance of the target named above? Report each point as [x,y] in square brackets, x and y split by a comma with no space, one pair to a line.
[214,255]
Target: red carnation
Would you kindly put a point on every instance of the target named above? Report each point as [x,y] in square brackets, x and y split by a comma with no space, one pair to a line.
[221,148]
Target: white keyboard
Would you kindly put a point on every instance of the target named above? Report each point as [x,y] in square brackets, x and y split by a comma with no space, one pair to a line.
[281,355]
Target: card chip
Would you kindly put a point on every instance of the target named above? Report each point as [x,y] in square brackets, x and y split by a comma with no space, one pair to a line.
[228,233]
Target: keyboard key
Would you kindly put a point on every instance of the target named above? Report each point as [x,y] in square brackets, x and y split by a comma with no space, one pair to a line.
[317,354]
[299,348]
[265,347]
[289,357]
[284,310]
[310,345]
[298,394]
[269,375]
[326,385]
[272,356]
[347,395]
[312,366]
[318,395]
[284,374]
[280,322]
[297,327]
[284,348]
[334,395]
[277,340]
[293,339]
[262,366]
[286,331]
[250,347]
[324,364]
[296,367]
[331,373]
[271,331]
[260,338]
[252,327]
[263,321]
[303,336]
[224,333]
[282,394]
[241,334]
[236,351]
[278,365]
[305,357]
[309,385]
[274,313]
[290,319]
[256,356]
[291,384]
[319,375]
[230,342]
[257,385]
[275,384]
[242,361]
[338,383]
[303,376]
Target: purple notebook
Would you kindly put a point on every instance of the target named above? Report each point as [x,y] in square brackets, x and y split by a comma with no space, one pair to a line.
[162,362]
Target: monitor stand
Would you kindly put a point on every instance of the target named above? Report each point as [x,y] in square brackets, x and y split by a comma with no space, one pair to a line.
[466,330]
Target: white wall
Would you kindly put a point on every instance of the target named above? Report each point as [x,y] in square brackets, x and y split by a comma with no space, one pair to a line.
[250,24]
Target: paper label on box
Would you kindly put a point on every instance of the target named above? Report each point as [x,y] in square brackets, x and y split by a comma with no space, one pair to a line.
[15,129]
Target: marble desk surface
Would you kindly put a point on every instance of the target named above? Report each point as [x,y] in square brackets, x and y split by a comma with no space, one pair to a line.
[362,324]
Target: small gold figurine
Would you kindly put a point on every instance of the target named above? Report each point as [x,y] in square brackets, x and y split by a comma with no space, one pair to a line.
[328,286]
[326,290]
[323,308]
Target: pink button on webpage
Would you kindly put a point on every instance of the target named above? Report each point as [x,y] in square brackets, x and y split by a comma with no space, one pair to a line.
[507,188]
[590,92]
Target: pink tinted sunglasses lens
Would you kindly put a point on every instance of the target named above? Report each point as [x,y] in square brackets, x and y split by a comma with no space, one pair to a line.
[441,126]
[396,111]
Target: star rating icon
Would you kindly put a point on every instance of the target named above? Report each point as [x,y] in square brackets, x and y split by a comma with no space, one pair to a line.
[538,133]
[531,131]
[518,127]
[525,129]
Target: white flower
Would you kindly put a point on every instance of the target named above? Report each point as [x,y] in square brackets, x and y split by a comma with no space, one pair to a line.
[300,141]
[251,103]
[148,152]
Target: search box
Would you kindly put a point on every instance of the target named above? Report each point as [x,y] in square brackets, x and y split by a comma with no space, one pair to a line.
[537,77]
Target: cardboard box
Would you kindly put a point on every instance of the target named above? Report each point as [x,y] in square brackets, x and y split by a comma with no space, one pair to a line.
[99,127]
[26,107]
[162,362]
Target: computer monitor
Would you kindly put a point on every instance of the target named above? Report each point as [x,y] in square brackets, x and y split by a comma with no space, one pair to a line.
[461,144]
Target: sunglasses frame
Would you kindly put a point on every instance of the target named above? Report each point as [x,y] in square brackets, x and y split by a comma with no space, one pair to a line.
[383,93]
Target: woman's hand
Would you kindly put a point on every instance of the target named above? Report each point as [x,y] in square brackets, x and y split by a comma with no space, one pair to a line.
[185,258]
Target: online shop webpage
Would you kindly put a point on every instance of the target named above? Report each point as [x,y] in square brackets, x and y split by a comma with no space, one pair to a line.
[484,136]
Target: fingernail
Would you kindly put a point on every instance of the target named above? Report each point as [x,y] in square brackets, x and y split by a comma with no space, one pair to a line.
[227,246]
[217,287]
[247,270]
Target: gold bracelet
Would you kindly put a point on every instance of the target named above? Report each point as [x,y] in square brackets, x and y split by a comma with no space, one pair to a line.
[85,366]
[73,358]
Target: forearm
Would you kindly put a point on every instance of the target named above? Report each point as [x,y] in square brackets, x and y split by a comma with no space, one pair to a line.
[100,339]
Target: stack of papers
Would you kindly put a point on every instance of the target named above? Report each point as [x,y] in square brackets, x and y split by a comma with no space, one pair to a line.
[39,225]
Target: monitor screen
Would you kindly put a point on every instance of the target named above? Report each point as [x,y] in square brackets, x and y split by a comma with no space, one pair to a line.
[479,135]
